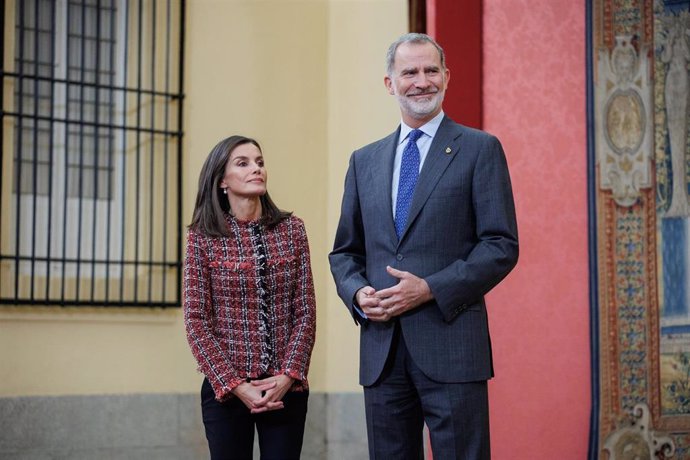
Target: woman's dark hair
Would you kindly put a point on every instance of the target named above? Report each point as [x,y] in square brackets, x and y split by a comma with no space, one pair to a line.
[212,204]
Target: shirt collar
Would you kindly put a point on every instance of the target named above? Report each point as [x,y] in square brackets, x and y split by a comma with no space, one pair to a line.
[429,128]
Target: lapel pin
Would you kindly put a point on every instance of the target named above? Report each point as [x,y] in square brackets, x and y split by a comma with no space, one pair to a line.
[448,150]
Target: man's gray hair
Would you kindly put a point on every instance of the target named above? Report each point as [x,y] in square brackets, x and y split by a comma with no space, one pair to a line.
[415,38]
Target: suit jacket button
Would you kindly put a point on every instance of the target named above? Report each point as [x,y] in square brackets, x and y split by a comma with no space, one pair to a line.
[399,257]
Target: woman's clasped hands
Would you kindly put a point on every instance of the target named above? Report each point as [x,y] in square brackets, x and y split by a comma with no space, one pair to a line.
[264,395]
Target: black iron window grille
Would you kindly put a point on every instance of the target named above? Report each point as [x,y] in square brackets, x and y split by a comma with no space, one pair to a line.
[90,176]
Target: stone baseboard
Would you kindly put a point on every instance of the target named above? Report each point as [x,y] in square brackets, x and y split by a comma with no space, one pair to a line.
[156,426]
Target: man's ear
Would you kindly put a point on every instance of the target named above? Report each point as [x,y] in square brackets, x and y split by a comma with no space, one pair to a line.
[389,85]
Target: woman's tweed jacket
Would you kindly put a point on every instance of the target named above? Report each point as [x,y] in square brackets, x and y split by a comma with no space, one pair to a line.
[230,283]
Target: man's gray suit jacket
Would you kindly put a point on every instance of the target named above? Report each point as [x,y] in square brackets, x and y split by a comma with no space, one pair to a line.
[461,237]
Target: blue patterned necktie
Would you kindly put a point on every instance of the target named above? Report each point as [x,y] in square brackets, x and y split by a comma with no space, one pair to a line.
[409,172]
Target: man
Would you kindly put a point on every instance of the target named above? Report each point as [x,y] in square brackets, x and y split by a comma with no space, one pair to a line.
[427,228]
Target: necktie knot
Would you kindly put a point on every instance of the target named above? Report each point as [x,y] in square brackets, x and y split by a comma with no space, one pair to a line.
[414,135]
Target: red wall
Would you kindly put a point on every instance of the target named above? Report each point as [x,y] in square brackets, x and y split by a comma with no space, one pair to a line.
[461,40]
[534,101]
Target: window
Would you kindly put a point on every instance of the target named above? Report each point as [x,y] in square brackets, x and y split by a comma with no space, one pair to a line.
[93,130]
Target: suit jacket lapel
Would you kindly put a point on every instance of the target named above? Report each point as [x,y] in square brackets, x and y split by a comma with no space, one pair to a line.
[382,180]
[444,147]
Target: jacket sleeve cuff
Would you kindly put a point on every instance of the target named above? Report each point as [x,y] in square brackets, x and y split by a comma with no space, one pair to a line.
[223,391]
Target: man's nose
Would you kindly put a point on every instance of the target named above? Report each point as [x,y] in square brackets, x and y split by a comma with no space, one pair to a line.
[421,81]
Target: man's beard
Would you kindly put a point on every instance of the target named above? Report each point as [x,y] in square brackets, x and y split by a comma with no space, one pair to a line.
[421,108]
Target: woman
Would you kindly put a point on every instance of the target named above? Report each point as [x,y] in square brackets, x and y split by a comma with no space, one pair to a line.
[249,308]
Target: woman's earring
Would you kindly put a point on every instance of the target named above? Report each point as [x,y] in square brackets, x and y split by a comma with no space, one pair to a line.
[225,191]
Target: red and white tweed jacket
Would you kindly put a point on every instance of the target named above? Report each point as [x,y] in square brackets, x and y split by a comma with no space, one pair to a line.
[230,283]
